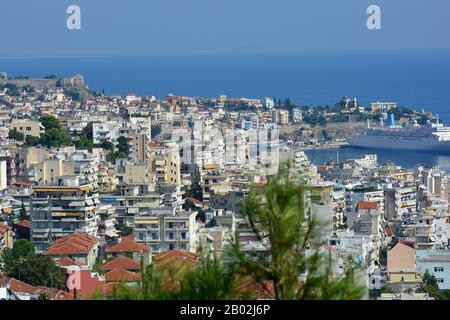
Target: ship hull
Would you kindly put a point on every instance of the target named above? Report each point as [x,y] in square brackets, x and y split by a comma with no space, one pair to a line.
[400,143]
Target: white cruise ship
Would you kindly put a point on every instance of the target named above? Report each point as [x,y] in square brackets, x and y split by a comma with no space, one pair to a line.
[433,137]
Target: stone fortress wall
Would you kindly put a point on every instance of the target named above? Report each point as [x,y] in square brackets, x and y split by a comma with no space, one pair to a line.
[41,84]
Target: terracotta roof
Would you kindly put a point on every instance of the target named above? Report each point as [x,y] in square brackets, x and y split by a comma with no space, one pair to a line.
[67,262]
[389,231]
[4,228]
[53,293]
[76,243]
[130,237]
[154,145]
[259,290]
[18,286]
[121,263]
[24,224]
[367,205]
[127,246]
[175,257]
[118,275]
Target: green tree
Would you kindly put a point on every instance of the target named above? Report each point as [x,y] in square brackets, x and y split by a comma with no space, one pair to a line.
[122,147]
[50,122]
[88,131]
[55,138]
[297,266]
[281,216]
[209,280]
[195,191]
[32,141]
[109,146]
[84,142]
[16,135]
[40,270]
[429,285]
[11,258]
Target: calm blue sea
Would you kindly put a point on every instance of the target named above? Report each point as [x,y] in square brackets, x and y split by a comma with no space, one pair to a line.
[416,79]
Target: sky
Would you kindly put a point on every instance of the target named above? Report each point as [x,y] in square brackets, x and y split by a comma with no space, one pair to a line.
[181,27]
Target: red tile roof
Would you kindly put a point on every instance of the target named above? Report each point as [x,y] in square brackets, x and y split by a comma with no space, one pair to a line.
[53,293]
[118,275]
[76,243]
[18,286]
[175,257]
[24,224]
[67,262]
[259,290]
[367,205]
[127,246]
[389,231]
[3,228]
[121,263]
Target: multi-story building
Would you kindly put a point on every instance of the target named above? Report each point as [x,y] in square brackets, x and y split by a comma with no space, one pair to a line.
[399,201]
[164,230]
[27,128]
[132,202]
[138,147]
[166,164]
[437,263]
[296,114]
[382,107]
[105,131]
[68,205]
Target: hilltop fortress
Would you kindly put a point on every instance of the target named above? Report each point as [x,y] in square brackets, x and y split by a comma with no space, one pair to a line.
[76,81]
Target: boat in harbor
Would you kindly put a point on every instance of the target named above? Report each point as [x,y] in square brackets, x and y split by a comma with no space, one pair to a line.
[431,137]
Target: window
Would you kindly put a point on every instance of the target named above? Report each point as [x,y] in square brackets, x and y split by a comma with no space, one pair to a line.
[154,235]
[439,280]
[438,269]
[171,237]
[140,236]
[183,235]
[28,129]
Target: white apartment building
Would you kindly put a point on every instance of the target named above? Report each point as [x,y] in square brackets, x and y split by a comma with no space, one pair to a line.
[164,231]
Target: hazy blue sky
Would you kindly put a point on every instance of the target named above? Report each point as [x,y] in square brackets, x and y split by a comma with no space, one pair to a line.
[115,27]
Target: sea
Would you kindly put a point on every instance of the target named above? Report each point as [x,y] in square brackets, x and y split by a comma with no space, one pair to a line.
[417,79]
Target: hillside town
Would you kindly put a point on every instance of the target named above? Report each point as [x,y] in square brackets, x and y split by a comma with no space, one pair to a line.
[104,185]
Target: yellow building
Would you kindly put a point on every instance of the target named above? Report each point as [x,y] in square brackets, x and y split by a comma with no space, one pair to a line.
[401,264]
[48,170]
[27,128]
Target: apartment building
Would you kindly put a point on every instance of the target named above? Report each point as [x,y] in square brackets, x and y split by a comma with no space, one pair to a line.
[27,128]
[105,131]
[68,205]
[132,202]
[166,164]
[399,200]
[164,230]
